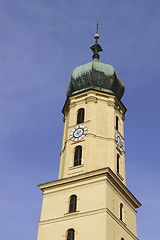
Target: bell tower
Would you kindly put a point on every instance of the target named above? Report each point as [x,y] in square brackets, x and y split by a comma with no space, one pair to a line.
[90,199]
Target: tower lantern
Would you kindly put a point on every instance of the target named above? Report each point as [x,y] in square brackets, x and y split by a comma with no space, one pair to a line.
[90,199]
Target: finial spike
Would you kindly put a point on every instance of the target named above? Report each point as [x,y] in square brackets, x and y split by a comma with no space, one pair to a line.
[97,27]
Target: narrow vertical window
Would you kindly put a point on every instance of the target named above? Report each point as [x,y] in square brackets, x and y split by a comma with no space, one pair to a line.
[78,156]
[117,163]
[121,209]
[117,122]
[70,234]
[73,203]
[80,116]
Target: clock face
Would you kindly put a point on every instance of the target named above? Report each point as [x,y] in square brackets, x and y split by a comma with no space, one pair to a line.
[78,133]
[119,142]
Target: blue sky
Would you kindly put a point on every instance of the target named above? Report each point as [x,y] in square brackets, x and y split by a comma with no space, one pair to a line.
[41,43]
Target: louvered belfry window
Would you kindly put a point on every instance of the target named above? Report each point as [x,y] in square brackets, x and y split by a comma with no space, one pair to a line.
[70,234]
[80,116]
[78,156]
[73,203]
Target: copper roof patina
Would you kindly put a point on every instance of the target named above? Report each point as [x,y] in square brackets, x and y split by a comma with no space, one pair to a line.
[95,75]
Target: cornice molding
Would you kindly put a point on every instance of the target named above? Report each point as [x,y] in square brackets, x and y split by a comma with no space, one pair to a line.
[109,175]
[91,99]
[95,93]
[78,214]
[72,104]
[111,103]
[72,216]
[100,137]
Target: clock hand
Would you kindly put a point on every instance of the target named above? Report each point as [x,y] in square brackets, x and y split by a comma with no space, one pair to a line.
[78,132]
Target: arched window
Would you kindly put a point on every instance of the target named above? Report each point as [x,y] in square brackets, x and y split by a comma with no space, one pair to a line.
[122,238]
[121,209]
[117,122]
[80,116]
[117,163]
[78,156]
[70,234]
[73,203]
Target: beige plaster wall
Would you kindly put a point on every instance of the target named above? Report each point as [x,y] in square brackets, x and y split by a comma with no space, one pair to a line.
[114,199]
[98,205]
[99,145]
[98,198]
[86,227]
[90,196]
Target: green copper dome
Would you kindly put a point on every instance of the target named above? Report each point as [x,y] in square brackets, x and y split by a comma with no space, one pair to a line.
[95,75]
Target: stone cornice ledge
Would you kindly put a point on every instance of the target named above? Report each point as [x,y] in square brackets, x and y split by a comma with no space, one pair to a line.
[72,216]
[94,92]
[107,172]
[69,216]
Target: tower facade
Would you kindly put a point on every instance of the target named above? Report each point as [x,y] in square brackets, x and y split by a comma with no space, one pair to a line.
[90,199]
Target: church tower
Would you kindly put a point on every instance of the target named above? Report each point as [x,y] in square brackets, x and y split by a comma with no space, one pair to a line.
[90,200]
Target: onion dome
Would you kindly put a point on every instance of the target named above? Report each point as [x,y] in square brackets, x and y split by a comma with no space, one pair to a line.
[95,75]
